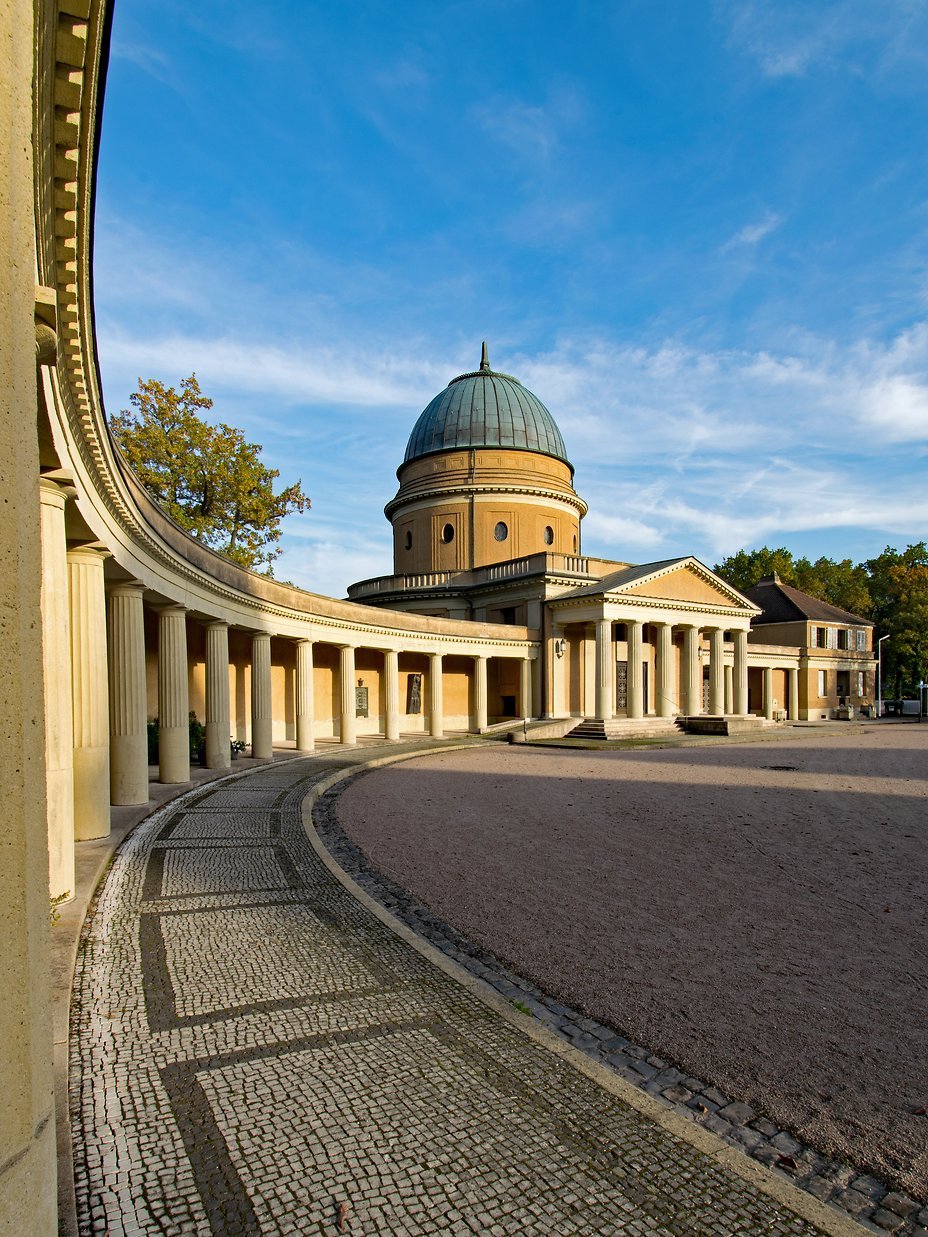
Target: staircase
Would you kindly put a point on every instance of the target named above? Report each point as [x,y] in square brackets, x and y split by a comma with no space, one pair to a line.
[627,728]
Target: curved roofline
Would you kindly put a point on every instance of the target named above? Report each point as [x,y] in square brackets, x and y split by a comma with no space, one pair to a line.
[484,446]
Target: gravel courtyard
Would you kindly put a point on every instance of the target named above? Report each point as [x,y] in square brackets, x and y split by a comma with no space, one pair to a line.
[754,912]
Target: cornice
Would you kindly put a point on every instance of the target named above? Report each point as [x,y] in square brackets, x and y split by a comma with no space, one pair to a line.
[467,491]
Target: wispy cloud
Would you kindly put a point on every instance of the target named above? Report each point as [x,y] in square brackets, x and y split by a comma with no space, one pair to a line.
[753,233]
[790,38]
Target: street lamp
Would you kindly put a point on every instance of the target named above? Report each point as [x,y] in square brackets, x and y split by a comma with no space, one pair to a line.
[879,676]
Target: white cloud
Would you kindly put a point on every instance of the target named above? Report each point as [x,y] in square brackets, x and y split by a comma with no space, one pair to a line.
[753,233]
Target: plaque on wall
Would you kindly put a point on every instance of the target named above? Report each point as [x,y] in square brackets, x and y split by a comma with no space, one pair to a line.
[621,686]
[360,702]
[414,693]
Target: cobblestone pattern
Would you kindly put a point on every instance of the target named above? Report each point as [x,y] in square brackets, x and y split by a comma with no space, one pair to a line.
[868,1201]
[252,1051]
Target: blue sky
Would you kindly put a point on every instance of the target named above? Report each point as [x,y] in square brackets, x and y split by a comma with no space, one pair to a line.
[697,231]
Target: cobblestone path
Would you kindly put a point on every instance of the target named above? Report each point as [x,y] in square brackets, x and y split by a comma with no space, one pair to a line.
[252,1051]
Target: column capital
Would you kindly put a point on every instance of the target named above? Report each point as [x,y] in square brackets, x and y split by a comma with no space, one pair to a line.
[171,607]
[91,550]
[215,624]
[52,492]
[125,588]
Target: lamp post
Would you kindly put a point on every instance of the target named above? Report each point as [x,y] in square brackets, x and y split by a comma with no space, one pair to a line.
[879,676]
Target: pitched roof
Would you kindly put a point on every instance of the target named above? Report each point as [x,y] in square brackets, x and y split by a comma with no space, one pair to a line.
[781,603]
[631,574]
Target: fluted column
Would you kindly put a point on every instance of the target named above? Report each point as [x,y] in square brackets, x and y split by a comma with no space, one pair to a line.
[391,674]
[793,702]
[128,695]
[525,689]
[603,701]
[480,693]
[740,678]
[173,697]
[262,746]
[729,689]
[218,715]
[305,700]
[692,671]
[56,660]
[348,698]
[635,687]
[716,671]
[666,685]
[89,694]
[436,715]
[768,693]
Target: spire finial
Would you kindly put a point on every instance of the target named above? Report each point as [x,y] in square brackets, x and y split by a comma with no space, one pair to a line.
[484,360]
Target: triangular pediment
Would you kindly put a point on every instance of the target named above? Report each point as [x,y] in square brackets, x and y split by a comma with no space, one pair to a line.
[686,581]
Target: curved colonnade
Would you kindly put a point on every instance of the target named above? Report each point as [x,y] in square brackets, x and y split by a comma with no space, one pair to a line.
[113,615]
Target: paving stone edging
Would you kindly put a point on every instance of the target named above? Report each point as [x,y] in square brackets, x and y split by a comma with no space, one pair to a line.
[859,1196]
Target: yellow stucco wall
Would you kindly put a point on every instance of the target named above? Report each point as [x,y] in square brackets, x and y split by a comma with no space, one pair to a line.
[683,585]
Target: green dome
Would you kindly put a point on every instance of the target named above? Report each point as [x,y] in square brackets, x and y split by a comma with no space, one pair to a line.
[485,409]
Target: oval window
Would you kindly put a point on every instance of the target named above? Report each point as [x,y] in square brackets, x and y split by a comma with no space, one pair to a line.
[447,533]
[408,539]
[549,535]
[501,531]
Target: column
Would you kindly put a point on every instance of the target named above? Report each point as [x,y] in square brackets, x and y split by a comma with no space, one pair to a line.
[262,745]
[716,671]
[56,660]
[525,689]
[218,715]
[305,701]
[128,695]
[589,670]
[768,693]
[89,694]
[436,720]
[173,697]
[480,692]
[391,674]
[348,732]
[559,666]
[740,678]
[729,689]
[793,705]
[604,706]
[666,687]
[635,689]
[692,671]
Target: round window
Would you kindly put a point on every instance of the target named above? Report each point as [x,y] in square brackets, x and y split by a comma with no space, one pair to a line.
[549,535]
[408,539]
[447,533]
[501,531]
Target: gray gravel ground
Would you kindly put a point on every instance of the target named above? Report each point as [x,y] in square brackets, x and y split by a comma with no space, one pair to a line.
[756,913]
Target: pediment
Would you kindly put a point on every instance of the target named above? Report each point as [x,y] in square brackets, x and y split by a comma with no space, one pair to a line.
[689,582]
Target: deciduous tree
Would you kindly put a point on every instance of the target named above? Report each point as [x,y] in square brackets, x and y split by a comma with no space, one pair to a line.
[207,477]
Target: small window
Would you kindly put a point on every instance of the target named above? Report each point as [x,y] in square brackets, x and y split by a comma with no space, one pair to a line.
[408,541]
[861,640]
[860,682]
[549,535]
[501,531]
[821,685]
[843,642]
[575,543]
[447,533]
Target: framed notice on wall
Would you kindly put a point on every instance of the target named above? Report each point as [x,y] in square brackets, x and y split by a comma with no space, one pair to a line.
[360,702]
[414,693]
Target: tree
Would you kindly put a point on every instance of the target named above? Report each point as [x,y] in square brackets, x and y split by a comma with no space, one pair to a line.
[839,582]
[899,587]
[206,477]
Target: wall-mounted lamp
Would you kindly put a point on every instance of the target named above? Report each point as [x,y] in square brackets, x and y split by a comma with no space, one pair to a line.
[360,682]
[560,648]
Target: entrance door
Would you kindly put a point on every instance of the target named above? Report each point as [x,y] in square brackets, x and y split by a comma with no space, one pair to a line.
[705,690]
[644,681]
[621,688]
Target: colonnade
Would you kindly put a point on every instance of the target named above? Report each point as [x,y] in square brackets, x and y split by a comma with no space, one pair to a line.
[97,698]
[728,683]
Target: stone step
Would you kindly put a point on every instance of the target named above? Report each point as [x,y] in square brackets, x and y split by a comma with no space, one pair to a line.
[626,728]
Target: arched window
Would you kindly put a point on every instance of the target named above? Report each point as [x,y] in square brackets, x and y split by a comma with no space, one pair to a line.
[501,531]
[408,542]
[575,543]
